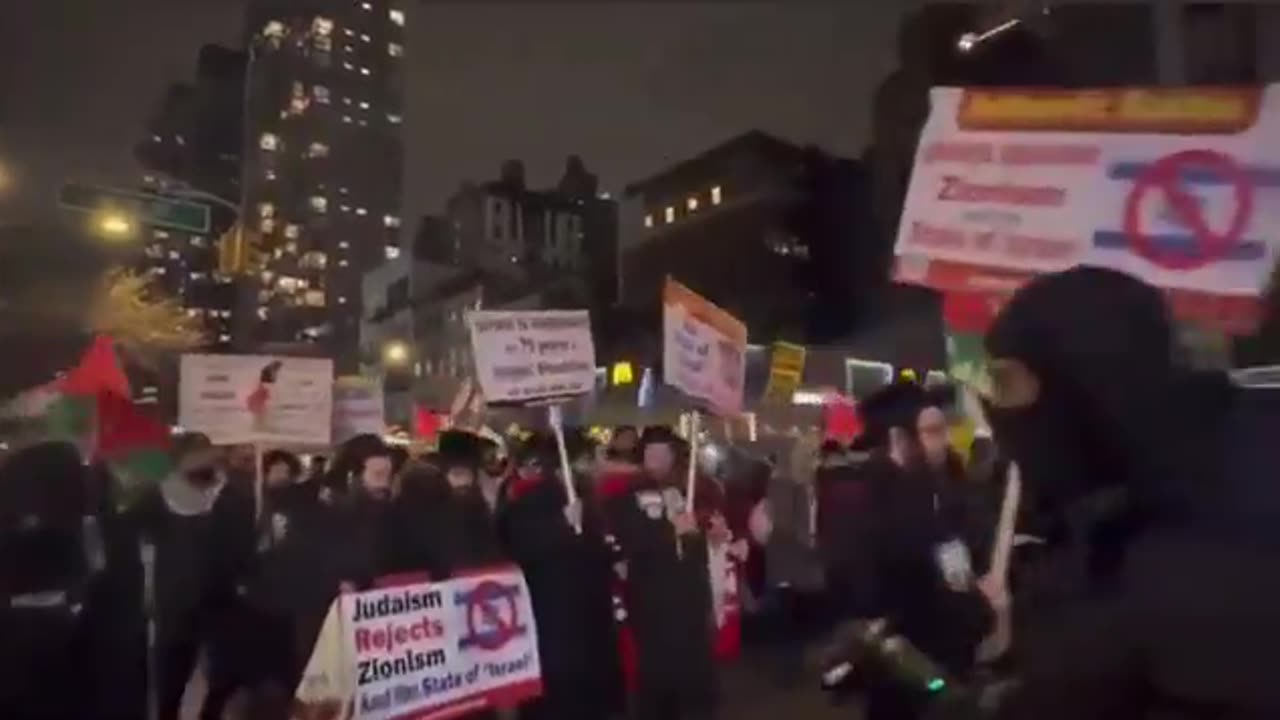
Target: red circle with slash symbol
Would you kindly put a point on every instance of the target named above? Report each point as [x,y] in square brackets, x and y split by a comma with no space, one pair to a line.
[1164,178]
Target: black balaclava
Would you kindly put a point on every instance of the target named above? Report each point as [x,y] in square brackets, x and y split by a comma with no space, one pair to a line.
[1110,414]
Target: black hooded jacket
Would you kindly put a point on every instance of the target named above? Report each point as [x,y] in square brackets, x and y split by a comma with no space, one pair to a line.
[1159,596]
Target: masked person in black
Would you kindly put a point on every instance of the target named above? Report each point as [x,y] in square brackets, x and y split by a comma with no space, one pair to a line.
[202,531]
[72,646]
[927,550]
[668,586]
[561,549]
[1157,488]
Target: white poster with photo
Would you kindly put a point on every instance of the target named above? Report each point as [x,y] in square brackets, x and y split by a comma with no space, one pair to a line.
[257,399]
[535,354]
[425,651]
[359,408]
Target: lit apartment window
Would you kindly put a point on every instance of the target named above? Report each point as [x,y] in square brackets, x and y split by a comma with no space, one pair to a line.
[319,203]
[363,123]
[292,231]
[175,255]
[366,6]
[648,221]
[342,300]
[343,245]
[273,29]
[715,195]
[324,44]
[179,139]
[393,252]
[291,248]
[344,208]
[198,241]
[321,94]
[269,141]
[343,190]
[266,210]
[348,66]
[365,71]
[391,221]
[262,312]
[348,32]
[318,150]
[394,119]
[346,119]
[198,276]
[669,214]
[395,49]
[298,105]
[224,338]
[322,26]
[269,174]
[268,225]
[361,211]
[691,203]
[364,37]
[346,101]
[314,298]
[364,104]
[397,17]
[161,235]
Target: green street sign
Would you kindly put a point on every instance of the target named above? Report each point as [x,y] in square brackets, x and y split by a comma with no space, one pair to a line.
[147,209]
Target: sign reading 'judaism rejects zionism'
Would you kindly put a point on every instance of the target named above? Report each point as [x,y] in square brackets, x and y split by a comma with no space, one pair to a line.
[425,650]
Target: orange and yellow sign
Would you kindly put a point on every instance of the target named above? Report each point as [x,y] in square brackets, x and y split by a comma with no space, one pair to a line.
[1139,110]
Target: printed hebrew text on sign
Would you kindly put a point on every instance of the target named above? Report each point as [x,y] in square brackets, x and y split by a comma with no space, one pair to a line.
[427,650]
[257,399]
[530,355]
[1180,187]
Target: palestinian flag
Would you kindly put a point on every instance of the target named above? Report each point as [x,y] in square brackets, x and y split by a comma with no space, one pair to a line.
[91,406]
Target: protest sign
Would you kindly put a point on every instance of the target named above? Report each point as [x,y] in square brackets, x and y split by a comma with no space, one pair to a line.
[358,408]
[530,355]
[786,368]
[703,350]
[1179,187]
[257,398]
[426,650]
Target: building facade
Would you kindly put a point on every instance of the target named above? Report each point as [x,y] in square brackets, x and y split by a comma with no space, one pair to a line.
[192,144]
[322,178]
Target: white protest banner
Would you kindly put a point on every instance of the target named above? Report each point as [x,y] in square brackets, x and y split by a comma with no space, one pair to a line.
[704,349]
[533,354]
[256,398]
[426,650]
[1179,187]
[358,408]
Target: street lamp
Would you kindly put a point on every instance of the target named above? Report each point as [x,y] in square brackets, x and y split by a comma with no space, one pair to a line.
[395,353]
[115,225]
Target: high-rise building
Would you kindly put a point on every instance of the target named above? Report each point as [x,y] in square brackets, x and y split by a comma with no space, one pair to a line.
[192,148]
[323,171]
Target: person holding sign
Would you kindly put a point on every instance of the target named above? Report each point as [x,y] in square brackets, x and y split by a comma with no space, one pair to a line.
[668,589]
[569,575]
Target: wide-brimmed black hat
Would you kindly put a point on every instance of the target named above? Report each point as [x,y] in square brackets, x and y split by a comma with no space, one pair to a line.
[897,405]
[459,447]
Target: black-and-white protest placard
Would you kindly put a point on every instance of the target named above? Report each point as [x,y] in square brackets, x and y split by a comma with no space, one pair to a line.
[528,355]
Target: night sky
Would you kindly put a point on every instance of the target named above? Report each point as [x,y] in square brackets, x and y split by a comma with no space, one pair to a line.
[629,87]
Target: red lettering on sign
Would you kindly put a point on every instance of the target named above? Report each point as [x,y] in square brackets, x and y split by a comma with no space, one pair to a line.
[932,236]
[1042,154]
[957,189]
[958,152]
[392,636]
[1041,248]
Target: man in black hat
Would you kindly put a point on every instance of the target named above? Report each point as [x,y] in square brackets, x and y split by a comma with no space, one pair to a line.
[668,587]
[561,548]
[927,549]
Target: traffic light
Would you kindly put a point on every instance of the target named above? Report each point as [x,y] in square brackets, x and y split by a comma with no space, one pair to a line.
[240,252]
[233,251]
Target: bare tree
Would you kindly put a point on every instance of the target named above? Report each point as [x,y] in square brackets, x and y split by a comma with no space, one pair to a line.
[145,322]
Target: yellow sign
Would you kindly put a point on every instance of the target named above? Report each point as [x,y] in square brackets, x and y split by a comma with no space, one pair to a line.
[786,368]
[622,374]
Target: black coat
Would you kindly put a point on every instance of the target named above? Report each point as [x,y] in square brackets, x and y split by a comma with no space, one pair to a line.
[914,513]
[668,595]
[570,577]
[439,532]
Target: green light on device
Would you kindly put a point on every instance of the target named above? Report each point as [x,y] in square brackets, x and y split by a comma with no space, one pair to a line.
[936,684]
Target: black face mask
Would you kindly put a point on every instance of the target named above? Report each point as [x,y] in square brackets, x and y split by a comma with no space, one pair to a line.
[202,477]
